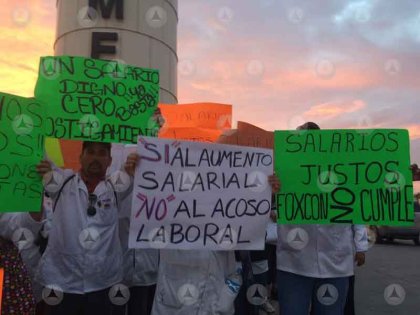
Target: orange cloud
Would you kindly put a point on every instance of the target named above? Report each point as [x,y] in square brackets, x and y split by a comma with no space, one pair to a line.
[27,31]
[414,131]
[332,110]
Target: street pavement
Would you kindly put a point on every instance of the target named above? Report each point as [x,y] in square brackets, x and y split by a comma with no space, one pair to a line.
[395,266]
[391,270]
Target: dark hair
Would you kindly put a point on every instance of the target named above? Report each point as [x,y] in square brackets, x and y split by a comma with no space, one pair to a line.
[87,144]
[309,126]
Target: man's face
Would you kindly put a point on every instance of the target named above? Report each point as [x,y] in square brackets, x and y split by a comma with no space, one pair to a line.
[95,159]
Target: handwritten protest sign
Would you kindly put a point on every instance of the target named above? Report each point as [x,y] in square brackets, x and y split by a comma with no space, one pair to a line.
[21,149]
[97,100]
[344,176]
[191,195]
[203,122]
[202,115]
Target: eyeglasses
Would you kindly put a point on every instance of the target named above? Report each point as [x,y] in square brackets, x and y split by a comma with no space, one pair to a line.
[91,210]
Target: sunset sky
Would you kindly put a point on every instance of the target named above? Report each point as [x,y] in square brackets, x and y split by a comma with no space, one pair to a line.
[343,64]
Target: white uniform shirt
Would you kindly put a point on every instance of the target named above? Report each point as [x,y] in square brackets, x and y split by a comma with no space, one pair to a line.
[202,272]
[140,265]
[329,251]
[83,253]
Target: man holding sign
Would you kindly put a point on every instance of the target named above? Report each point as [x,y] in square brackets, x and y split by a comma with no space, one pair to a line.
[197,203]
[314,260]
[83,258]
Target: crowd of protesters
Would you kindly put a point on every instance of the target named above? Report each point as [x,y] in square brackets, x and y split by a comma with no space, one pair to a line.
[317,278]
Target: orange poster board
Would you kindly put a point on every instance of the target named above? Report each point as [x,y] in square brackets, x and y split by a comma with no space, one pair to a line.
[1,286]
[201,115]
[191,134]
[203,122]
[71,152]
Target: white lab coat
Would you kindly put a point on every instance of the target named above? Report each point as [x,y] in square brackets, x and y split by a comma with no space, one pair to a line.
[204,270]
[9,223]
[329,252]
[140,265]
[68,264]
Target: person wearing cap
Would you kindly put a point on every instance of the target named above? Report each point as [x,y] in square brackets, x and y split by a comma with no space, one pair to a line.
[316,274]
[83,257]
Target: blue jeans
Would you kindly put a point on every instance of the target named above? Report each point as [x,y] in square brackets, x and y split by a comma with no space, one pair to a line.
[296,293]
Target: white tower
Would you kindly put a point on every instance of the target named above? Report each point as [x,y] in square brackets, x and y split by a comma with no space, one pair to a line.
[138,32]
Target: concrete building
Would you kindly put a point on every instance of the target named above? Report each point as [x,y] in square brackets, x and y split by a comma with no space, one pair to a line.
[137,32]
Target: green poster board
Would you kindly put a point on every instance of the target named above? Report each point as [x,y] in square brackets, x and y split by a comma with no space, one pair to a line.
[21,149]
[344,176]
[97,100]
